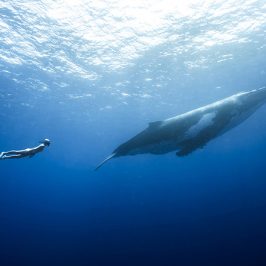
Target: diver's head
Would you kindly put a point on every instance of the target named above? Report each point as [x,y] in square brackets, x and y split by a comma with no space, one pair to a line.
[46,142]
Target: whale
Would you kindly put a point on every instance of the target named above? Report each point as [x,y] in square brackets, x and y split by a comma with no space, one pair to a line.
[192,130]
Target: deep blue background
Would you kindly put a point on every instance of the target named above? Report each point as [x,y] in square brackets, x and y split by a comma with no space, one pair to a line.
[204,209]
[208,208]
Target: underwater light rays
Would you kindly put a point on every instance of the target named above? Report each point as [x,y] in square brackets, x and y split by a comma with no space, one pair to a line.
[74,37]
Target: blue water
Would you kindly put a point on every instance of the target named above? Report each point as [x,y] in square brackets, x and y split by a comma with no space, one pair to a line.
[89,75]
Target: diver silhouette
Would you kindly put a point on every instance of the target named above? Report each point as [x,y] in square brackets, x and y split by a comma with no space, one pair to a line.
[29,152]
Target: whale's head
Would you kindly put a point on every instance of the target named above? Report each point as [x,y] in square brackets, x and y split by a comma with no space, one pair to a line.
[254,98]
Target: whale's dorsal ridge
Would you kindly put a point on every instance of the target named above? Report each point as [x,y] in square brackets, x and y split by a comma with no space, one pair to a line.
[153,125]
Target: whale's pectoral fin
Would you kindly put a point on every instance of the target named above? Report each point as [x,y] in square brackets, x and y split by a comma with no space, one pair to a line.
[189,148]
[197,143]
[185,151]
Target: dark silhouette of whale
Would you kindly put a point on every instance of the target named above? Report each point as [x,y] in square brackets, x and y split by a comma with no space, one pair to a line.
[192,130]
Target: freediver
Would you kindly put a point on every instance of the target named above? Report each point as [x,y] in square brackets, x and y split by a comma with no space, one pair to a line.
[29,152]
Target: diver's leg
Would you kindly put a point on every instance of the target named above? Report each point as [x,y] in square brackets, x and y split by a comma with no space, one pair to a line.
[16,156]
[13,152]
[3,154]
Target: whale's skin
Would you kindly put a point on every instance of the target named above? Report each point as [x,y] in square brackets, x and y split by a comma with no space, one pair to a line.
[190,131]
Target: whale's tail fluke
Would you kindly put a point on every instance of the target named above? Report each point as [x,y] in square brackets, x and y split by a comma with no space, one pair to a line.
[105,160]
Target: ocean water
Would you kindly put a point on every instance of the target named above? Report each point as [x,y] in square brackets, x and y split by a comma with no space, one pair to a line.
[89,75]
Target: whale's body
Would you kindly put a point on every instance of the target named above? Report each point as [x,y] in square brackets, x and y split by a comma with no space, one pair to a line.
[192,130]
